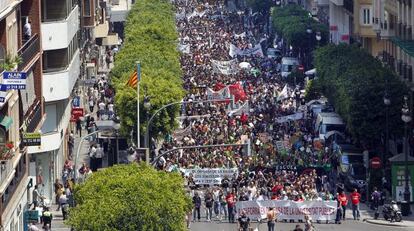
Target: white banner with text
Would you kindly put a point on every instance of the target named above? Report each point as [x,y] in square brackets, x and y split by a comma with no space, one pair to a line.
[210,175]
[289,210]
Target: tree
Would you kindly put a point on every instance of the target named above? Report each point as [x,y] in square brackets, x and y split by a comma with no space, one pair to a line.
[355,83]
[130,197]
[151,38]
[259,5]
[291,22]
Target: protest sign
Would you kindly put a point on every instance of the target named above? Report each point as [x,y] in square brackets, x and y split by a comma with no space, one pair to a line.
[255,51]
[289,210]
[210,175]
[292,117]
[225,67]
[224,93]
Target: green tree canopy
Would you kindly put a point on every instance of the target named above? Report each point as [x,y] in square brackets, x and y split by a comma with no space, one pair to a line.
[291,22]
[355,83]
[151,38]
[259,5]
[130,197]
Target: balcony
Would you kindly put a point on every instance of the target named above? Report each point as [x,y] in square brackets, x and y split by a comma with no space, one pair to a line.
[34,118]
[52,140]
[6,169]
[28,51]
[387,29]
[58,85]
[59,34]
[120,8]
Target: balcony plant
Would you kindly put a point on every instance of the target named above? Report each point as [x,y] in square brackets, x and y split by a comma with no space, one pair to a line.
[7,151]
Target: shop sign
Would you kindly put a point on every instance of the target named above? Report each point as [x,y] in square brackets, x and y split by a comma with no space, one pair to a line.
[32,139]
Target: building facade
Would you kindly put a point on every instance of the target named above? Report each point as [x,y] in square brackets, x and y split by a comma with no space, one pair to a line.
[21,110]
[61,68]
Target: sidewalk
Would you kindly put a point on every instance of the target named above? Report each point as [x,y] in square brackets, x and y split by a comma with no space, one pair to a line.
[57,222]
[367,215]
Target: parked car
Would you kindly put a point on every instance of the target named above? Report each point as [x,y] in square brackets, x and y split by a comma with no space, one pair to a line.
[274,53]
[288,65]
[328,121]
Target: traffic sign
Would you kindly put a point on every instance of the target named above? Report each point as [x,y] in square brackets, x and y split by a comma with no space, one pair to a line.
[375,163]
[14,80]
[76,101]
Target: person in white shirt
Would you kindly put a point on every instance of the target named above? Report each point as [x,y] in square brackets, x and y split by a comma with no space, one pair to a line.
[27,30]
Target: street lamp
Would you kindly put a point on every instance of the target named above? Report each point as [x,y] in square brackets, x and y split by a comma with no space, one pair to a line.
[406,117]
[387,103]
[117,126]
[318,37]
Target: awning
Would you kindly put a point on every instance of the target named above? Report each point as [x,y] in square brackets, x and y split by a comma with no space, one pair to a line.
[311,72]
[101,30]
[111,40]
[406,45]
[6,122]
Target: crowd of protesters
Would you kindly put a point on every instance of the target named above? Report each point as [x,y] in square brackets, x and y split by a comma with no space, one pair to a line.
[303,170]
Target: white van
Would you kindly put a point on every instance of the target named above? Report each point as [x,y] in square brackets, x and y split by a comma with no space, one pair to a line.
[328,121]
[288,64]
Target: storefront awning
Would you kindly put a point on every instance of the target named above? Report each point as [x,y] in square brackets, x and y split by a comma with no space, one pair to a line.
[111,40]
[406,45]
[6,122]
[101,30]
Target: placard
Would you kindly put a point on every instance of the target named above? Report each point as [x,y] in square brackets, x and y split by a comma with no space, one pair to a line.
[210,176]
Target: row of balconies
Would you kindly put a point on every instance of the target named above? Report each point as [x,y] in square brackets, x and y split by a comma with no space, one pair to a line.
[403,69]
[406,2]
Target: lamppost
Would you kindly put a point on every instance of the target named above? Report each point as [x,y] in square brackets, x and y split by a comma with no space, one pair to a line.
[147,106]
[309,32]
[387,103]
[108,125]
[318,37]
[297,97]
[406,117]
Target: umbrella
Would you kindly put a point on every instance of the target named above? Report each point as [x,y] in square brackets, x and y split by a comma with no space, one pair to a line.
[245,65]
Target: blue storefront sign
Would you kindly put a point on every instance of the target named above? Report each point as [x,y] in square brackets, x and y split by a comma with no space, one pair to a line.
[14,80]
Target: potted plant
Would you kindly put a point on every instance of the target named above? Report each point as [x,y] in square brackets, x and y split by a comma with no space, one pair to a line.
[6,151]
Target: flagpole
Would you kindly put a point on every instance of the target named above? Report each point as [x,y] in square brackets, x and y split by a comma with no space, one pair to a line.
[139,81]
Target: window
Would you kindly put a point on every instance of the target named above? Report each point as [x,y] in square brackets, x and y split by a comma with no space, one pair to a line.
[366,15]
[86,8]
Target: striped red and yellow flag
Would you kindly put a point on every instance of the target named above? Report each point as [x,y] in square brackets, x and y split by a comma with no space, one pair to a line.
[133,80]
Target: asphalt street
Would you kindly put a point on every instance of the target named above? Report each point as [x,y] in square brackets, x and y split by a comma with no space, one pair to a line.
[348,225]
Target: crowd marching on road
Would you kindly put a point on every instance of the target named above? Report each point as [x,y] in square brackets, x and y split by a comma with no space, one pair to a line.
[214,42]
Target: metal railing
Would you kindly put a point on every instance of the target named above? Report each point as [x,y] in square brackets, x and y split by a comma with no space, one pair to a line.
[6,168]
[28,51]
[34,118]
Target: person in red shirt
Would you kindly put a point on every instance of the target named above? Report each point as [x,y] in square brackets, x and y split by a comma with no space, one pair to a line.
[231,201]
[343,200]
[355,199]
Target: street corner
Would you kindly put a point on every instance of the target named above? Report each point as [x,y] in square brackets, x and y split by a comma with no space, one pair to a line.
[388,223]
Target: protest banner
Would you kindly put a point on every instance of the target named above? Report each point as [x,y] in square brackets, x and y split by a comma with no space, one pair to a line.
[292,117]
[225,67]
[210,176]
[255,51]
[223,93]
[289,210]
[243,109]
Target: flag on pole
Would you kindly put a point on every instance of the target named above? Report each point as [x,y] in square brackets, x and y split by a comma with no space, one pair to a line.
[133,79]
[283,94]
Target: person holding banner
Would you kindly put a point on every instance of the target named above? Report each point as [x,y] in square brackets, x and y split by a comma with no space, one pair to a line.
[244,222]
[197,206]
[271,219]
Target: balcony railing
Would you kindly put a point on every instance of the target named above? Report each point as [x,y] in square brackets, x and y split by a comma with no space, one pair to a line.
[34,117]
[6,168]
[28,51]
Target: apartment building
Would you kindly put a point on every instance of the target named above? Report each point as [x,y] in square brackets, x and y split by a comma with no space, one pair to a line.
[367,23]
[21,110]
[341,20]
[397,32]
[61,68]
